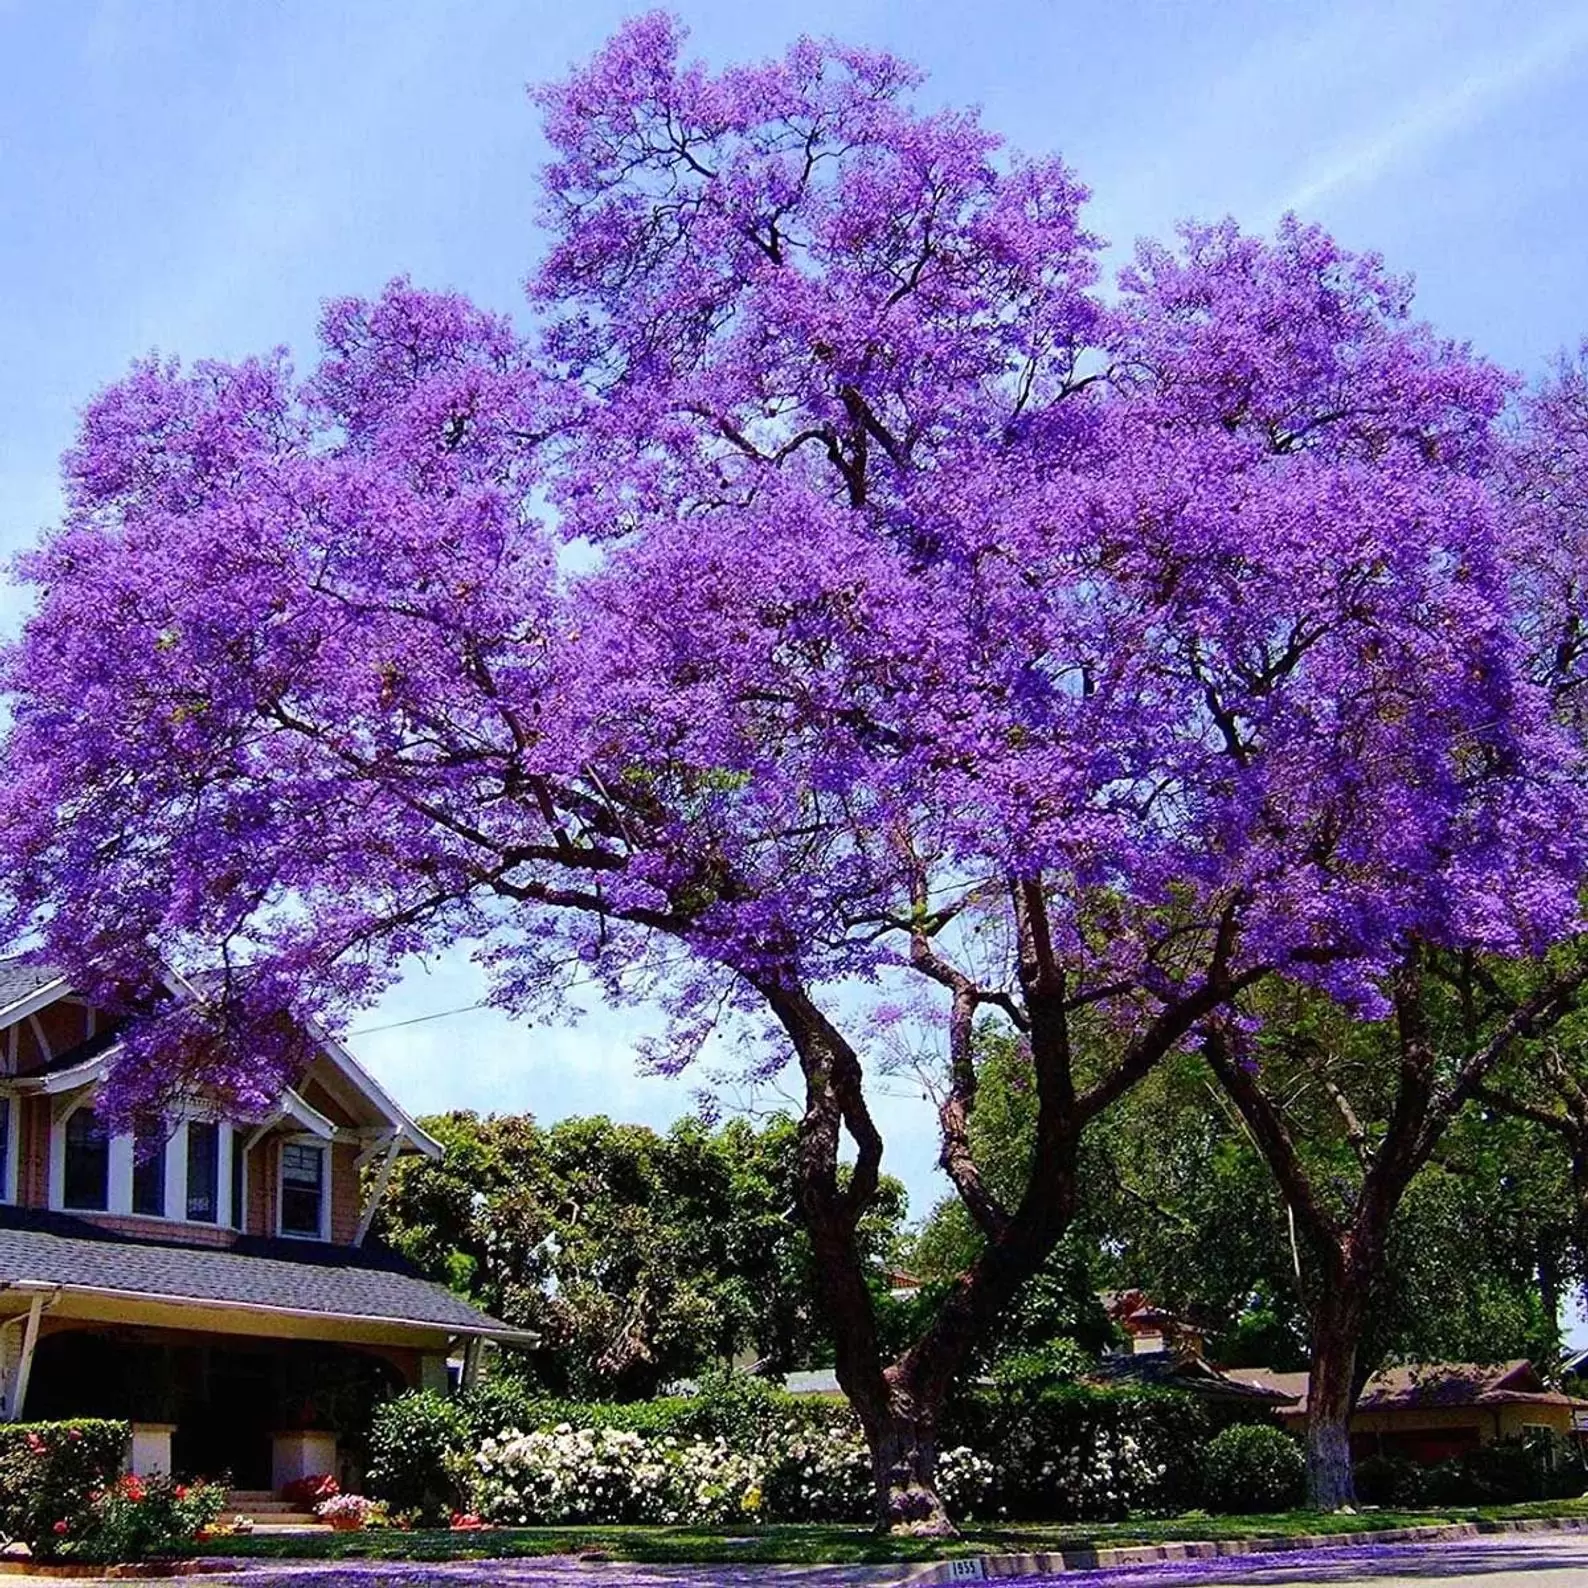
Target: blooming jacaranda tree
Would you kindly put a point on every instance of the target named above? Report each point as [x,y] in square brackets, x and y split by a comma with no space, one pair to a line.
[838,619]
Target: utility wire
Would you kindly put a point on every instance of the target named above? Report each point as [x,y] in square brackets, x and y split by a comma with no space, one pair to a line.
[417,1020]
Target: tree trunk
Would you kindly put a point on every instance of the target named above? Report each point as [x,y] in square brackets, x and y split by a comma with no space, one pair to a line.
[904,1470]
[1331,1396]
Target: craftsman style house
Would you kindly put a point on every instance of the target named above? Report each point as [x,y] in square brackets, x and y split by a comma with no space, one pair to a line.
[210,1283]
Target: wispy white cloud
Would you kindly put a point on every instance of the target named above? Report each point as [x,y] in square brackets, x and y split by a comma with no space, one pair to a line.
[1442,113]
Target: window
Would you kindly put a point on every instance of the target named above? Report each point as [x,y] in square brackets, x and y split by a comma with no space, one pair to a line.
[302,1188]
[203,1171]
[86,1177]
[5,1149]
[239,1145]
[148,1168]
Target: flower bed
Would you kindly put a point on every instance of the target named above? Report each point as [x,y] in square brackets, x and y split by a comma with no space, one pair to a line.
[49,1473]
[136,1519]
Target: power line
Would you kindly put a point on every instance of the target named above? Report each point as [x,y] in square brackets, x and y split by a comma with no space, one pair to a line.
[417,1020]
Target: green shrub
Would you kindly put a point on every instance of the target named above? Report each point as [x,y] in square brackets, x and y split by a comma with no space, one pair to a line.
[1391,1481]
[1507,1472]
[49,1471]
[420,1445]
[1253,1467]
[143,1519]
[1084,1452]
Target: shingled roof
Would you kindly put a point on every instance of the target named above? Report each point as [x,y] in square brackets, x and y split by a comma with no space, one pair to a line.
[1422,1385]
[300,1277]
[19,978]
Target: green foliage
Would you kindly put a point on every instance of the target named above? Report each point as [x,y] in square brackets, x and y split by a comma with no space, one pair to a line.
[1540,1467]
[49,1471]
[144,1519]
[638,1257]
[1390,1481]
[1085,1452]
[419,1447]
[1253,1467]
[1027,1373]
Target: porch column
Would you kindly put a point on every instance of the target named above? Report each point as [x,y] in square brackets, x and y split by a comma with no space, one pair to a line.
[150,1451]
[17,1381]
[300,1453]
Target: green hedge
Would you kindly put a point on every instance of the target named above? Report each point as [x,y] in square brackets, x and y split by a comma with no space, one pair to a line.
[49,1473]
[1083,1452]
[1055,1451]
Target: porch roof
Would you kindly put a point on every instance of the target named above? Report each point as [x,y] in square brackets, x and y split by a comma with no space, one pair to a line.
[304,1279]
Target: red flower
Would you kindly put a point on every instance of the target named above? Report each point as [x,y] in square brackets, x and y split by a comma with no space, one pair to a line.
[180,1491]
[74,1434]
[61,1527]
[35,1444]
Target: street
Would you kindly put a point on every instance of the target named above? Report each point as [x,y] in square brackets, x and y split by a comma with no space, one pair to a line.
[1510,1561]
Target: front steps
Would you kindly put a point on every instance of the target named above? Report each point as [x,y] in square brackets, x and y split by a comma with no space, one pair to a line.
[269,1514]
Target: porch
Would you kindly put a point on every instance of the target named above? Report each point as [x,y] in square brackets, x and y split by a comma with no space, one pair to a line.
[253,1413]
[256,1363]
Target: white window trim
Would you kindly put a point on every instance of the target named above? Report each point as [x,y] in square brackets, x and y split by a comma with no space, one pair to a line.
[58,1165]
[307,1139]
[121,1163]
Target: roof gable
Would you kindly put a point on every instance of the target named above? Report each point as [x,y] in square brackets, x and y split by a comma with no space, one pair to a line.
[360,1101]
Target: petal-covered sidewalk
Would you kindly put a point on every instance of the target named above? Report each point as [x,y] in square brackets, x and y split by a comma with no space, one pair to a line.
[1533,1561]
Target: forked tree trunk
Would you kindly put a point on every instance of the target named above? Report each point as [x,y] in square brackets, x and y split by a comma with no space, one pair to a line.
[900,1405]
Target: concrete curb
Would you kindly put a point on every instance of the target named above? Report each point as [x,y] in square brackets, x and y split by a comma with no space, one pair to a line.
[979,1568]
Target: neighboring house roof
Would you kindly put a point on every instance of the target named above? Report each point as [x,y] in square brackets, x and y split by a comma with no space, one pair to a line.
[1422,1385]
[813,1381]
[305,1278]
[1185,1371]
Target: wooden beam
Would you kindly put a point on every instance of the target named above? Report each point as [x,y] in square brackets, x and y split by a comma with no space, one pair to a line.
[39,1037]
[377,1191]
[30,1339]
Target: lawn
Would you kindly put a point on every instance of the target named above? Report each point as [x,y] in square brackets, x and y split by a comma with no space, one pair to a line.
[813,1544]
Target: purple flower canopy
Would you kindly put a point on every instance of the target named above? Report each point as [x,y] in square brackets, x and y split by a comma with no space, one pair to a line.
[908,562]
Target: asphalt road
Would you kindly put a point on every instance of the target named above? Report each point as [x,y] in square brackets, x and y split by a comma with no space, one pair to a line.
[1548,1560]
[1537,1560]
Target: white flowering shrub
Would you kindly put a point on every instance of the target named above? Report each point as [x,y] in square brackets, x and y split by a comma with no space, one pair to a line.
[1110,1475]
[566,1474]
[744,1452]
[966,1482]
[817,1473]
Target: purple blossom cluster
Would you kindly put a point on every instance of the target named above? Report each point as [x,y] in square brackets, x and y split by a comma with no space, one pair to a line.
[832,551]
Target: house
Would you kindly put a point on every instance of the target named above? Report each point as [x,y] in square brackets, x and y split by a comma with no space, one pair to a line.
[1428,1412]
[211,1282]
[1150,1328]
[1190,1373]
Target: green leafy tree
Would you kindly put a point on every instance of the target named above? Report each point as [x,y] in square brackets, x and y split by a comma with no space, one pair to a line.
[638,1257]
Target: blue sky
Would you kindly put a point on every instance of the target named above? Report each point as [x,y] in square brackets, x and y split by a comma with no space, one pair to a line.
[194,176]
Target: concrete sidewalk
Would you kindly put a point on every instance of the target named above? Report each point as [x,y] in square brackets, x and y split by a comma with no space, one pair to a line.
[1504,1560]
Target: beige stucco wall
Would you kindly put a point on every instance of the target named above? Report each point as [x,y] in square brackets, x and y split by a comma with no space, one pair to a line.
[1490,1422]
